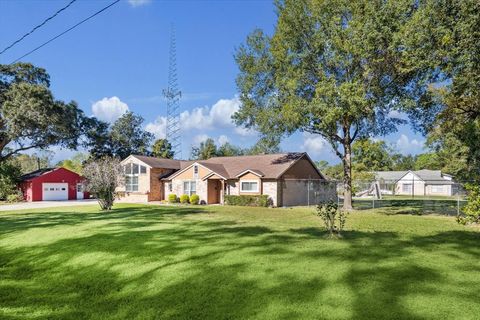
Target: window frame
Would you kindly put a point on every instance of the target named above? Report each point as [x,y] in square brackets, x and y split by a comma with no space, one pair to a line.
[130,176]
[195,171]
[410,187]
[189,191]
[257,189]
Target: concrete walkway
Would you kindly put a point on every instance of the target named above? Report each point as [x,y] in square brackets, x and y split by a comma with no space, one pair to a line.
[46,204]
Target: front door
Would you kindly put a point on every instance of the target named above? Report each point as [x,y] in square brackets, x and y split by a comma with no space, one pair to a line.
[214,187]
[79,191]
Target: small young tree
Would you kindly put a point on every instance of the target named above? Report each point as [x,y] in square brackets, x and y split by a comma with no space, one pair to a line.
[333,218]
[103,177]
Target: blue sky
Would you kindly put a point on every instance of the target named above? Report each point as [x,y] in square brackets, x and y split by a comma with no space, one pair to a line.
[119,61]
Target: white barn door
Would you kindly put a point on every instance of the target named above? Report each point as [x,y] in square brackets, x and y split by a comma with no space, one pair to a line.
[54,191]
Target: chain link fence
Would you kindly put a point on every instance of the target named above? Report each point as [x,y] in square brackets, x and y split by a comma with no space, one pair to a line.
[444,197]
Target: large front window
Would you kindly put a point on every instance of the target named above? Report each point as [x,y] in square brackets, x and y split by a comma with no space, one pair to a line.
[249,186]
[189,187]
[131,177]
[407,187]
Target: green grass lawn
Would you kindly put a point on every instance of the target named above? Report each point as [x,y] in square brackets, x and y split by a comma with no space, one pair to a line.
[152,262]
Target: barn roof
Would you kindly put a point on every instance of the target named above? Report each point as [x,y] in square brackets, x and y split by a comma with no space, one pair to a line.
[35,174]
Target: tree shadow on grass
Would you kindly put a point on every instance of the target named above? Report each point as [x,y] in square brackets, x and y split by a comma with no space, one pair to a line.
[383,272]
[18,221]
[204,269]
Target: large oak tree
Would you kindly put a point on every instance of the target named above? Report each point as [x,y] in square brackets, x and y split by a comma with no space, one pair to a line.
[30,117]
[331,68]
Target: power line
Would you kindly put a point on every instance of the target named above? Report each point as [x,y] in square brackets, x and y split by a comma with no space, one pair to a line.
[38,26]
[68,30]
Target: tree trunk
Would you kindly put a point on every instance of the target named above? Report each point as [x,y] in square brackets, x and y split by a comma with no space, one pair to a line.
[347,176]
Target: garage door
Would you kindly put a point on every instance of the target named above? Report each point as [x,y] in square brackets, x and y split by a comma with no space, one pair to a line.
[55,191]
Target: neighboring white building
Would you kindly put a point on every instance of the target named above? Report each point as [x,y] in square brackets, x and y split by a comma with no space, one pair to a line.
[419,183]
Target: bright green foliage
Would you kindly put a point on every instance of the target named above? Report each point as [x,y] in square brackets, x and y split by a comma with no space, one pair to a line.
[194,199]
[248,200]
[172,198]
[403,163]
[16,196]
[329,69]
[206,150]
[30,117]
[229,150]
[9,177]
[225,262]
[128,136]
[162,149]
[427,161]
[472,209]
[369,155]
[31,162]
[442,50]
[184,198]
[74,164]
[453,155]
[333,218]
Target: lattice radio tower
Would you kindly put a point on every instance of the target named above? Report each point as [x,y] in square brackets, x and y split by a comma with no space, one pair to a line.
[172,94]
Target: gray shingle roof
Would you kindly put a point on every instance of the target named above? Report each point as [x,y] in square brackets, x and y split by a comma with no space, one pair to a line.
[429,176]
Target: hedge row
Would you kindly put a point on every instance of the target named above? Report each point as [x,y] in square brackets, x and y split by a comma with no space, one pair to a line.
[248,200]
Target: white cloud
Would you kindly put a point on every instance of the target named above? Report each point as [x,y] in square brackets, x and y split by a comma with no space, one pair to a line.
[109,109]
[397,115]
[158,127]
[313,144]
[406,146]
[200,138]
[222,140]
[219,115]
[138,3]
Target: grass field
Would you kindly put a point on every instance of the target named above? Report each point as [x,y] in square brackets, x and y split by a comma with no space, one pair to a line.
[152,262]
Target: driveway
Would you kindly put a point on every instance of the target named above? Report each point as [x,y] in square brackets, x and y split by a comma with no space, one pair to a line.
[46,204]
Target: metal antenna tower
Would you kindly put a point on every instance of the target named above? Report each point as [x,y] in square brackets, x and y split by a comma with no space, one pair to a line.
[172,94]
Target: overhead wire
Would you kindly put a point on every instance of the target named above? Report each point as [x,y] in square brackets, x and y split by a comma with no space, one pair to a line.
[37,27]
[66,31]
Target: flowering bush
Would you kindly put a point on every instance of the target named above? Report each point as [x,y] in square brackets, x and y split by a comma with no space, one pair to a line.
[103,176]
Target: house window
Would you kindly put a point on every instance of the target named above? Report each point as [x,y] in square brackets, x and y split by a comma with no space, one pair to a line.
[407,187]
[437,189]
[131,177]
[189,187]
[195,172]
[249,186]
[143,169]
[170,187]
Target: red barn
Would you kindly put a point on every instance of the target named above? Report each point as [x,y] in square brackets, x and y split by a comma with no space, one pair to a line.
[52,184]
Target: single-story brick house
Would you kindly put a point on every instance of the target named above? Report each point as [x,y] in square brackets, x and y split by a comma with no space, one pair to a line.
[52,184]
[283,177]
[419,183]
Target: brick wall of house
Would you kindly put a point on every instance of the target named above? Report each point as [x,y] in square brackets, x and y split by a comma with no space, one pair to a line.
[269,187]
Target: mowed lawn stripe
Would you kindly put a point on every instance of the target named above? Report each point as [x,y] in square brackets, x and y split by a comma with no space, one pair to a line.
[186,262]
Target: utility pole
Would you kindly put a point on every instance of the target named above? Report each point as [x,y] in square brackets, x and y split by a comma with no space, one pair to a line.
[172,94]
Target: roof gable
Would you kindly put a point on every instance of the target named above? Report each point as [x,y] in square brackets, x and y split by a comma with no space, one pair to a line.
[154,162]
[269,166]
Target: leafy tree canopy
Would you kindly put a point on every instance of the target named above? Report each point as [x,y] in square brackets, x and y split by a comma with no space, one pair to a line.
[162,149]
[369,155]
[331,68]
[124,137]
[206,150]
[75,163]
[30,117]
